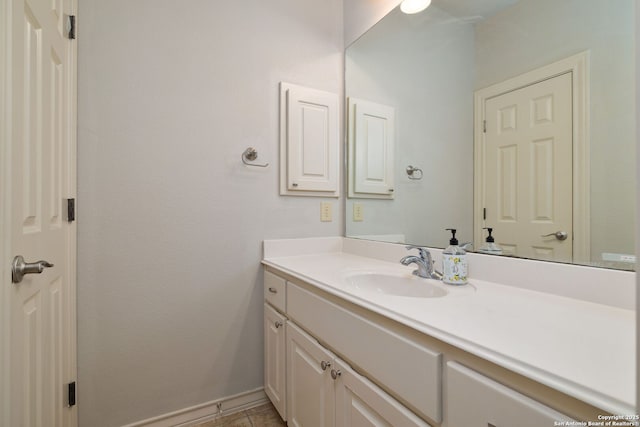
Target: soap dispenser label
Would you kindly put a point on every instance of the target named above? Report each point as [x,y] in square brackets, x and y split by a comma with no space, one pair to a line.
[455,269]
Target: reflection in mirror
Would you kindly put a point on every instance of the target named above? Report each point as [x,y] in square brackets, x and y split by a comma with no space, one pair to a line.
[544,91]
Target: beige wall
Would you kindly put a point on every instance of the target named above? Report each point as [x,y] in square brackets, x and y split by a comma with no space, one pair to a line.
[170,223]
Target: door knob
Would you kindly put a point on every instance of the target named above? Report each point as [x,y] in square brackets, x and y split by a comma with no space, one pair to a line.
[560,235]
[19,268]
[335,373]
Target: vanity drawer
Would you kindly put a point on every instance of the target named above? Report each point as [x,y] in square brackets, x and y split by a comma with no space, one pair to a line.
[406,369]
[474,400]
[275,290]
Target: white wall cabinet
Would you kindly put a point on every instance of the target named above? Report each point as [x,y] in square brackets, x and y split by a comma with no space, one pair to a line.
[309,142]
[371,140]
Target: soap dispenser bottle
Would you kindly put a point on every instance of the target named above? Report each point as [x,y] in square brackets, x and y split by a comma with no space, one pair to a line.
[454,262]
[490,246]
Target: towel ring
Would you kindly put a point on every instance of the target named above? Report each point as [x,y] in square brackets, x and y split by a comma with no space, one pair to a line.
[249,155]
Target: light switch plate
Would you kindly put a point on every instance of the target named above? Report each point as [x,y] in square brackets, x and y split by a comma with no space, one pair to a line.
[325,212]
[357,212]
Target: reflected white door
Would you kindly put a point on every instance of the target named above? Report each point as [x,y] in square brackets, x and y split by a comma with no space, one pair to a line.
[528,169]
[42,145]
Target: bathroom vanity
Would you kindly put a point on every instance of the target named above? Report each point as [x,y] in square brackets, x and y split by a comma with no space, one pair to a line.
[352,338]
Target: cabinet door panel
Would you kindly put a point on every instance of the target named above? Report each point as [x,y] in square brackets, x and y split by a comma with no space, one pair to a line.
[275,358]
[474,400]
[371,149]
[310,389]
[310,141]
[411,372]
[360,403]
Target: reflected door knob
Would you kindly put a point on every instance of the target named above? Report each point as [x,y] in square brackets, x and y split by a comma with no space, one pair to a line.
[19,268]
[560,235]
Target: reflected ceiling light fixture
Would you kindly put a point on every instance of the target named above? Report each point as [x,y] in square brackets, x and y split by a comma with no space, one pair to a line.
[414,6]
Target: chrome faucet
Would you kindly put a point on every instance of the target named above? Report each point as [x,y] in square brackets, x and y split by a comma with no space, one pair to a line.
[424,263]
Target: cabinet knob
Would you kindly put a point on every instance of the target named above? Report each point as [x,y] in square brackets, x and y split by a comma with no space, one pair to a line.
[273,290]
[324,365]
[335,373]
[491,425]
[278,324]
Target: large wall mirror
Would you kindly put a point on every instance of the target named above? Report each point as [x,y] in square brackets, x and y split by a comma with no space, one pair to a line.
[514,115]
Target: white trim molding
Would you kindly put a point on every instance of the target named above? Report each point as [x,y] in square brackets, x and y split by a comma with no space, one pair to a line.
[206,411]
[578,66]
[6,28]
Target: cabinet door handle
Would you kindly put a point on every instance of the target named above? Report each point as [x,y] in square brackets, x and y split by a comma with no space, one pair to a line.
[278,324]
[273,290]
[324,365]
[335,373]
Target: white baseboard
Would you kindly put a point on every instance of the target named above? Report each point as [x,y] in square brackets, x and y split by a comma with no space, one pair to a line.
[206,411]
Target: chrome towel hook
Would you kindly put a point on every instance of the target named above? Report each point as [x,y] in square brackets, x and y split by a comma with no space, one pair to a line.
[251,154]
[414,173]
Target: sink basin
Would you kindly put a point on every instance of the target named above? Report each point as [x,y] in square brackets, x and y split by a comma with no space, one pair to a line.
[397,285]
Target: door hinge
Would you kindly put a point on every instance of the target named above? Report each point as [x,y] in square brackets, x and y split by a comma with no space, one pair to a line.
[71,388]
[71,210]
[484,126]
[71,27]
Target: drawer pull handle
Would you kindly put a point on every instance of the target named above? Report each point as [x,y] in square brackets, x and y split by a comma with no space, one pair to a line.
[278,324]
[335,374]
[324,365]
[273,290]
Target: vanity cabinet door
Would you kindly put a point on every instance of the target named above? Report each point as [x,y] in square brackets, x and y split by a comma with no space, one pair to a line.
[361,403]
[275,346]
[310,388]
[474,400]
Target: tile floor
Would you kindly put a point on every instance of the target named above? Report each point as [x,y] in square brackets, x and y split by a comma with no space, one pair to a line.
[260,416]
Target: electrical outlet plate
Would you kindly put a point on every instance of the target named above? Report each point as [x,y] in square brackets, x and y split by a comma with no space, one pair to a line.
[325,212]
[357,212]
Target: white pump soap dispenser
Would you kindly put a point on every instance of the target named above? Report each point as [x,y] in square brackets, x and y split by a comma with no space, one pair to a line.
[490,246]
[454,262]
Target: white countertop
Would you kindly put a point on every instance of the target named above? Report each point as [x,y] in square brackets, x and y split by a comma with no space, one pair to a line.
[581,348]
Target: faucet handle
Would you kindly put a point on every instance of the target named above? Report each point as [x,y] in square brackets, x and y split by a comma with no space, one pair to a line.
[424,252]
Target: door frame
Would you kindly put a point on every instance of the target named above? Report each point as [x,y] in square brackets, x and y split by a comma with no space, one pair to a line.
[6,253]
[577,65]
[5,197]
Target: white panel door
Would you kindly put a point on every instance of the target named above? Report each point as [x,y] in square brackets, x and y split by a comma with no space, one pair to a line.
[360,403]
[42,306]
[275,348]
[371,149]
[528,169]
[311,137]
[310,389]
